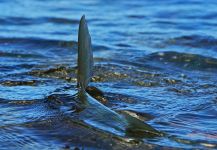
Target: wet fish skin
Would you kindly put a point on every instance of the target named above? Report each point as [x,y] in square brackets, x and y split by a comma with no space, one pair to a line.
[100,116]
[85,55]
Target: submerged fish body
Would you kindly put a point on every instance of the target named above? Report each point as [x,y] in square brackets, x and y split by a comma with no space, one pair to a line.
[93,112]
[100,116]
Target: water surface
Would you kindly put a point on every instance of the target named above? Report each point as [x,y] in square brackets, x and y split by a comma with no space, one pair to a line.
[155,58]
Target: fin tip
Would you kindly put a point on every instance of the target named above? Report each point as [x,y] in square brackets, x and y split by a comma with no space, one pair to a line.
[83,17]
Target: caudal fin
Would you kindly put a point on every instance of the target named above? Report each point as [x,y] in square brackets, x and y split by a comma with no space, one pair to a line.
[85,55]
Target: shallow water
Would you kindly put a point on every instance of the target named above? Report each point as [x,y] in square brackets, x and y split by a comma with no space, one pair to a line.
[155,58]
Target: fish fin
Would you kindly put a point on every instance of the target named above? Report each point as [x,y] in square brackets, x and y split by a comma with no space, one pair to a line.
[85,55]
[139,128]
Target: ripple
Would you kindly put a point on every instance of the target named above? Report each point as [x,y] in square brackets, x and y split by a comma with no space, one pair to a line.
[35,42]
[196,41]
[19,55]
[185,60]
[23,21]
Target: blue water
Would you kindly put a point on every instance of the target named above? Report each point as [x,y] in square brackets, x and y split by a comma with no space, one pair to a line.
[155,58]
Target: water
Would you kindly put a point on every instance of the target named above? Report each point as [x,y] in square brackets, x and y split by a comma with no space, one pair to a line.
[155,58]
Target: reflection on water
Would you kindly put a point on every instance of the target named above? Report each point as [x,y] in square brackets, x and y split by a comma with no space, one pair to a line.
[154,59]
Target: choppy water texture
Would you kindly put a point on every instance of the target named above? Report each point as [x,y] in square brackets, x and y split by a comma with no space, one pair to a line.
[155,58]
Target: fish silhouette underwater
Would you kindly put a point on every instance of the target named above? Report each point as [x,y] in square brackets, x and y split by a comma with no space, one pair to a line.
[92,112]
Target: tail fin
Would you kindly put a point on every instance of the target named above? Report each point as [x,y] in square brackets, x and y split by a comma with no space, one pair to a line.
[85,55]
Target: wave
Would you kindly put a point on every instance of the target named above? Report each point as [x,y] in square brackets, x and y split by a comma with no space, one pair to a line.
[185,60]
[20,21]
[195,41]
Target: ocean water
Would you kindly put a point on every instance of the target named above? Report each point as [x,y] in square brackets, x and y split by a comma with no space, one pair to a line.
[157,59]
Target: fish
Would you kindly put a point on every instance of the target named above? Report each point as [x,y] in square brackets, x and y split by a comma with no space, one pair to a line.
[95,113]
